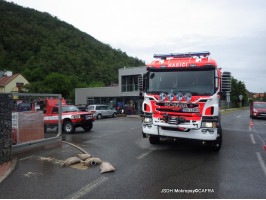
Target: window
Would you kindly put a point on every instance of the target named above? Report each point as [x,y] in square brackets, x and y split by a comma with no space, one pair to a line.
[90,107]
[19,84]
[66,109]
[130,83]
[90,101]
[97,100]
[196,82]
[55,110]
[103,107]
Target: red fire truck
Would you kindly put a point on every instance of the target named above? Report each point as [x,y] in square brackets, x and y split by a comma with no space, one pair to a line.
[182,98]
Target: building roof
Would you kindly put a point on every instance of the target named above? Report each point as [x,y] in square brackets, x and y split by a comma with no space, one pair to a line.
[4,80]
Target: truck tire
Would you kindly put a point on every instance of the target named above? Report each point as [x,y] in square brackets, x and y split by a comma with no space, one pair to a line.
[88,126]
[68,127]
[217,144]
[154,139]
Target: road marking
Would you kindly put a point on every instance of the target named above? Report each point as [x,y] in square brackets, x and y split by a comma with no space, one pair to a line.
[260,138]
[144,155]
[261,162]
[25,158]
[252,138]
[258,134]
[88,188]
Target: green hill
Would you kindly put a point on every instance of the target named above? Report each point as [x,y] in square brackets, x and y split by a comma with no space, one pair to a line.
[53,55]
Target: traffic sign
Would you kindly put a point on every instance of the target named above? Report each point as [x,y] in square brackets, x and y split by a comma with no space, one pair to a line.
[228,97]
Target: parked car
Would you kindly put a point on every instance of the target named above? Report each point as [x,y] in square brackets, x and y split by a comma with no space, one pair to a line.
[24,107]
[81,107]
[102,111]
[258,109]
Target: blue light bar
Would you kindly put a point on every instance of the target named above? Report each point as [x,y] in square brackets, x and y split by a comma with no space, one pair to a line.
[182,55]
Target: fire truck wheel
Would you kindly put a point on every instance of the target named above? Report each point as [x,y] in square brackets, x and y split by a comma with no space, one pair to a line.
[154,139]
[217,144]
[68,127]
[88,126]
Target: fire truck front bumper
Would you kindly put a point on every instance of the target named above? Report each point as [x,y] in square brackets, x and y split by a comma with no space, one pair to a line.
[182,131]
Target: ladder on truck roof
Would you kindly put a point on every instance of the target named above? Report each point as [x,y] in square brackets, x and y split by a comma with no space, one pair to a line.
[182,55]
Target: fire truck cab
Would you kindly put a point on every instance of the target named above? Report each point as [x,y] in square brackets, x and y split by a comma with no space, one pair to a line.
[181,98]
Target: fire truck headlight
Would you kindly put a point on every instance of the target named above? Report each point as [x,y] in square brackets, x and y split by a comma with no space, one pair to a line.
[75,117]
[254,110]
[188,97]
[179,96]
[162,96]
[206,124]
[147,120]
[170,96]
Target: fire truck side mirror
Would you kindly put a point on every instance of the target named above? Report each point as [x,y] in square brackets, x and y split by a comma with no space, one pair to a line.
[226,82]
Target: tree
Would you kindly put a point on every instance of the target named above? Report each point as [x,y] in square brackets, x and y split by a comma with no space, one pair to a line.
[58,84]
[37,44]
[264,97]
[238,88]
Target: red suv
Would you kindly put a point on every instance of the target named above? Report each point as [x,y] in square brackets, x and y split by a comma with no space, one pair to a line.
[258,109]
[72,117]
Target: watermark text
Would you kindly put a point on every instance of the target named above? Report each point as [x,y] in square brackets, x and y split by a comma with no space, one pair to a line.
[187,191]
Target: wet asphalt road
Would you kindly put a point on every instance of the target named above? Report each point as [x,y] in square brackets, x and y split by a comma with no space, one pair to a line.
[169,170]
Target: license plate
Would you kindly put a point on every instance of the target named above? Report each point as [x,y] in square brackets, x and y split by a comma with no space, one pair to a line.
[194,110]
[88,117]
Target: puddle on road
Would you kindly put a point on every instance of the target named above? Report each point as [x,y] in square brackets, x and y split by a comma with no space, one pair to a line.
[80,166]
[32,174]
[50,159]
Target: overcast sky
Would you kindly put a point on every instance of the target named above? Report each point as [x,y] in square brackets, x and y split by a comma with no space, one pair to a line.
[234,31]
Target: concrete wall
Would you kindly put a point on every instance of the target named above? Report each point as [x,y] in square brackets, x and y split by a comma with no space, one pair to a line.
[81,94]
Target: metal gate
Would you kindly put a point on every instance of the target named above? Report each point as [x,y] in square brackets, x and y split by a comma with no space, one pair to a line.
[28,124]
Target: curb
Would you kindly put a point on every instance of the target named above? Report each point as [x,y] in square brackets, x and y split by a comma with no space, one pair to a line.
[226,111]
[133,116]
[8,170]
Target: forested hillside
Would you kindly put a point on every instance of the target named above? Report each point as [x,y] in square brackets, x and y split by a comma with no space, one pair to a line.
[53,55]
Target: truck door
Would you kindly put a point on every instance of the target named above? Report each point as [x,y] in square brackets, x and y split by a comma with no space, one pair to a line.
[52,118]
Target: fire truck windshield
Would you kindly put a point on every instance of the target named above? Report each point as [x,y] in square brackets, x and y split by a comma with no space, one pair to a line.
[194,82]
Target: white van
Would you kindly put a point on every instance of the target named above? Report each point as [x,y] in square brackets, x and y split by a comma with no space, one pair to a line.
[102,111]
